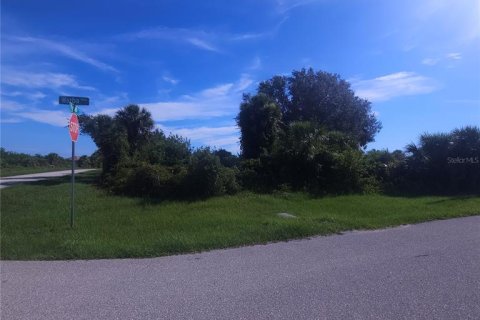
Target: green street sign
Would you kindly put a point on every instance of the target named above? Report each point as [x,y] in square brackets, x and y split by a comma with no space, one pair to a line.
[79,101]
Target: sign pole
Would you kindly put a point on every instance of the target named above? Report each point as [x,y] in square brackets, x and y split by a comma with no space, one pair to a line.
[74,130]
[72,194]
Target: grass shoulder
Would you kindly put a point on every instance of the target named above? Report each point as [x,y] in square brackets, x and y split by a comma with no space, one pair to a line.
[35,220]
[15,171]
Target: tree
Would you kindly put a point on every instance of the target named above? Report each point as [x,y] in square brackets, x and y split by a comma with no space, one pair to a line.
[227,159]
[259,121]
[324,99]
[111,140]
[446,162]
[137,123]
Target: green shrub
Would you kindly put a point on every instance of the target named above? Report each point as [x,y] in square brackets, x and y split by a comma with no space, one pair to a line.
[203,177]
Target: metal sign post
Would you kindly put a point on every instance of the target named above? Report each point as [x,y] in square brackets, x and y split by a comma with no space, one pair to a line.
[74,129]
[72,193]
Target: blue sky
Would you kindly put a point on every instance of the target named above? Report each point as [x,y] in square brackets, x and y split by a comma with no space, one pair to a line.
[188,63]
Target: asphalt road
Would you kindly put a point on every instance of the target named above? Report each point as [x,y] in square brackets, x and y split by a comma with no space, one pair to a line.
[424,271]
[8,181]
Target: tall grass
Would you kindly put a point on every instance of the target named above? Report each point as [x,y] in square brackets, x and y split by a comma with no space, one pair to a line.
[35,220]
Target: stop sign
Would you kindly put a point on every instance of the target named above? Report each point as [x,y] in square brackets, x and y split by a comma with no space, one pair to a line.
[73,127]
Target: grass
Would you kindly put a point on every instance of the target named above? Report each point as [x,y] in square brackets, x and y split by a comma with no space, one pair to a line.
[14,171]
[35,220]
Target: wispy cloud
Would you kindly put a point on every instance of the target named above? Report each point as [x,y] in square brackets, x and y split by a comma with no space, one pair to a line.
[63,49]
[244,83]
[11,120]
[170,80]
[41,80]
[226,137]
[52,117]
[9,105]
[33,96]
[197,38]
[430,61]
[202,44]
[255,64]
[205,40]
[394,85]
[217,101]
[283,6]
[454,56]
[456,21]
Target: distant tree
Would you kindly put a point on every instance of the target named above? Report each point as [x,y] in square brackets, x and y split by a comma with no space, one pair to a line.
[54,159]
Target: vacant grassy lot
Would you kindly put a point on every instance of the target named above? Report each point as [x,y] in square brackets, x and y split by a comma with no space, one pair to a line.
[35,220]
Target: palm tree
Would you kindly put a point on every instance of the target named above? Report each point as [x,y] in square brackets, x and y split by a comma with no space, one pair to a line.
[137,123]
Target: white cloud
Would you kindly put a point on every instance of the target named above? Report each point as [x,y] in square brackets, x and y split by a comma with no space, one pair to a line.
[201,39]
[256,63]
[430,61]
[102,101]
[218,101]
[226,137]
[454,56]
[8,105]
[198,38]
[170,80]
[218,91]
[65,50]
[41,80]
[11,120]
[202,133]
[244,82]
[53,117]
[34,96]
[202,44]
[283,6]
[393,85]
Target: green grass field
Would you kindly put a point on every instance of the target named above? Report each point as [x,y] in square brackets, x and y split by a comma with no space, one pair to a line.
[35,220]
[15,171]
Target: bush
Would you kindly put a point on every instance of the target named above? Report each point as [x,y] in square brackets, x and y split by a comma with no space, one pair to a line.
[228,181]
[207,177]
[150,180]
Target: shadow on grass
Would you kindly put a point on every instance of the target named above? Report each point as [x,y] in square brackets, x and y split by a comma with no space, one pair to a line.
[454,198]
[458,195]
[91,177]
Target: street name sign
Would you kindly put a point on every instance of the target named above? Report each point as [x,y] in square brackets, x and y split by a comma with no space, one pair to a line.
[79,101]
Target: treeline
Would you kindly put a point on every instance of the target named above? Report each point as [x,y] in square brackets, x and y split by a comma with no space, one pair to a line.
[9,159]
[308,131]
[304,132]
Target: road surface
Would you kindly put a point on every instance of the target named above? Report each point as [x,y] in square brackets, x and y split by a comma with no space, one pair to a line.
[7,181]
[424,271]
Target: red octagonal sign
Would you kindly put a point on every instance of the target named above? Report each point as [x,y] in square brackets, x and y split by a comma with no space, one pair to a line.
[73,127]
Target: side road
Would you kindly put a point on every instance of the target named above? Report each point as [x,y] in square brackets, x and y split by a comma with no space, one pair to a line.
[424,271]
[7,181]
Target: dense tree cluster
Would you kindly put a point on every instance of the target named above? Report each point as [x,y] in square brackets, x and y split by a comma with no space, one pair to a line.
[440,163]
[142,161]
[307,132]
